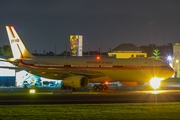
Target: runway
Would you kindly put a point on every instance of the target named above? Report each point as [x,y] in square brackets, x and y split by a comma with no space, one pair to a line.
[92,97]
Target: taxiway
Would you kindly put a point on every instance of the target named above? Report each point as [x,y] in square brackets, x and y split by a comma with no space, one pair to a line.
[92,97]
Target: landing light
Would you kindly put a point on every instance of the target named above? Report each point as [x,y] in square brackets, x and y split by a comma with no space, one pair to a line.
[155,82]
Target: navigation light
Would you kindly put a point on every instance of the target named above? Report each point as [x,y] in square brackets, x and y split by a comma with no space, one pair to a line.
[106,82]
[98,57]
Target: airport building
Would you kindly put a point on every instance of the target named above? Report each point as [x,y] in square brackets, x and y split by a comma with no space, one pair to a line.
[7,79]
[12,78]
[176,59]
[127,50]
[7,76]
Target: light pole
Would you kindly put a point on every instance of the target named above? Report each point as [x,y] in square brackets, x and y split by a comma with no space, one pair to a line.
[177,61]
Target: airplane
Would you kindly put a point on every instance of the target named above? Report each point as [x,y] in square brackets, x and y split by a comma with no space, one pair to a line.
[78,72]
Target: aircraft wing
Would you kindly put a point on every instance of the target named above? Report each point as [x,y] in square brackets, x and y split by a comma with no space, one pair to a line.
[3,60]
[63,73]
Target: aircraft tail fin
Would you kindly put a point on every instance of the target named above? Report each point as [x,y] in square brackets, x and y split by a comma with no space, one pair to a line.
[18,48]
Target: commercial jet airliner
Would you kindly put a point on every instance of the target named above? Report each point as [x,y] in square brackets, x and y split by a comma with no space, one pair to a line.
[77,72]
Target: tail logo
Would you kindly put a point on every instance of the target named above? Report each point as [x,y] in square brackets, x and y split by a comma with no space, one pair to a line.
[18,48]
[14,40]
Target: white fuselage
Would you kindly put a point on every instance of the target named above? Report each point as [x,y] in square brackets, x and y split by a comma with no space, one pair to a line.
[129,70]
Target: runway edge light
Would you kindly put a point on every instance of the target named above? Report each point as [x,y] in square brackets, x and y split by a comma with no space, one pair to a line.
[32,91]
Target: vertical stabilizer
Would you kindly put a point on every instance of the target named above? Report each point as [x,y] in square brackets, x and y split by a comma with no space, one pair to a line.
[18,48]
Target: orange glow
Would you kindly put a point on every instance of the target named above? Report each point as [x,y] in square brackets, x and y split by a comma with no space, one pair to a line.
[98,57]
[106,82]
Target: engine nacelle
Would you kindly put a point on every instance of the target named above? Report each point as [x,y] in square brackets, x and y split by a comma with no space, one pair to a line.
[76,81]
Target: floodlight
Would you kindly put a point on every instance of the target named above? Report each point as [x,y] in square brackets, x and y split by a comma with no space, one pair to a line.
[169,58]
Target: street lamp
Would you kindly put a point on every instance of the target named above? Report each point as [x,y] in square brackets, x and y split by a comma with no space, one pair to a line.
[177,61]
[169,59]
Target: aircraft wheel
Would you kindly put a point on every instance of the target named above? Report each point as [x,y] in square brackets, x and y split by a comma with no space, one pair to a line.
[73,89]
[105,87]
[63,87]
[95,87]
[100,87]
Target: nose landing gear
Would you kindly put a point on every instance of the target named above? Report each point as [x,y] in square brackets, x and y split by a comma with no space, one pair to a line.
[63,87]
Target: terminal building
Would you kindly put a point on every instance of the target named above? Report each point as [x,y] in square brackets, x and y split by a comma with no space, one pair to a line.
[127,50]
[7,76]
[176,59]
[13,78]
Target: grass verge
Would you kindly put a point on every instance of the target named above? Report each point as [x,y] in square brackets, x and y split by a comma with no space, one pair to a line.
[134,111]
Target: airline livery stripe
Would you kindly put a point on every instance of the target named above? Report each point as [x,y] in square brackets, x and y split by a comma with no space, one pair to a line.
[41,66]
[11,32]
[20,51]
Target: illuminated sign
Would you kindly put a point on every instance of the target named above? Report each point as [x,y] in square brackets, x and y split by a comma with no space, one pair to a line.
[76,45]
[80,45]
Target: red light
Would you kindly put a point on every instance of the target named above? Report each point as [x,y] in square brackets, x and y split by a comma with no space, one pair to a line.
[106,82]
[98,57]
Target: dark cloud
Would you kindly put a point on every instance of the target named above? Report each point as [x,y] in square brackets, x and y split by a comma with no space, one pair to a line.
[44,23]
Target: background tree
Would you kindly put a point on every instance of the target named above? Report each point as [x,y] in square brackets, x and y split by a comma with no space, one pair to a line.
[6,50]
[165,50]
[50,53]
[0,51]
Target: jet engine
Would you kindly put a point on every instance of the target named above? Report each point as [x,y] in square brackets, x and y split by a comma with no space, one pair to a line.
[76,81]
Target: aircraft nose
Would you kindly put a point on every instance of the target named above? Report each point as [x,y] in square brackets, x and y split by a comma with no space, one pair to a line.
[171,71]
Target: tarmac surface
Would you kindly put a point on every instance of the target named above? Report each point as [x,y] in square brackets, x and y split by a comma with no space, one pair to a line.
[21,96]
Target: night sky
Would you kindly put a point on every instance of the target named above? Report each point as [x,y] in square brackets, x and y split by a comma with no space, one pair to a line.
[43,23]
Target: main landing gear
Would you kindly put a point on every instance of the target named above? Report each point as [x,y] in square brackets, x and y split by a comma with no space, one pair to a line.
[100,87]
[63,87]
